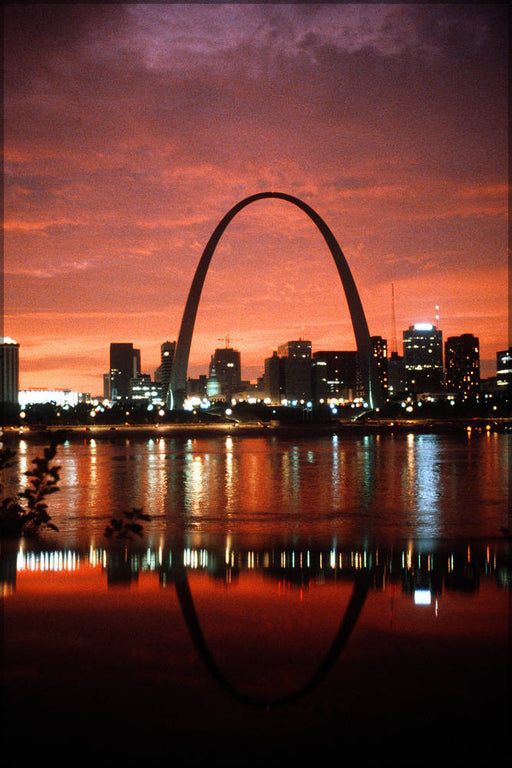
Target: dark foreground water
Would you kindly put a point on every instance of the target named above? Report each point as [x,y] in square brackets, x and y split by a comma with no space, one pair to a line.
[321,599]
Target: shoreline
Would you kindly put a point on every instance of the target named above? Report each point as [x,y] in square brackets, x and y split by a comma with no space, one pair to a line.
[254,429]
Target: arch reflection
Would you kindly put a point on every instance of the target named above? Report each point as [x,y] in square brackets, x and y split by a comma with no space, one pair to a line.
[425,573]
[348,622]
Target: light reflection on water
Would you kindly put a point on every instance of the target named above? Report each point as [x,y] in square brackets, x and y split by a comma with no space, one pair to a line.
[421,565]
[360,586]
[423,627]
[373,486]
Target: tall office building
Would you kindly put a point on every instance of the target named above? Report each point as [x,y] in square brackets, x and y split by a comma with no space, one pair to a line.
[423,357]
[336,374]
[397,379]
[273,378]
[296,356]
[380,353]
[504,372]
[225,363]
[163,372]
[462,366]
[9,370]
[124,365]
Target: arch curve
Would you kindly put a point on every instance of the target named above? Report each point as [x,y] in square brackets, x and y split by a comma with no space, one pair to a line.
[346,626]
[178,382]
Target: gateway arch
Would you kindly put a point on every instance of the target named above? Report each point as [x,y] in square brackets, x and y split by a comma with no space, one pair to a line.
[178,382]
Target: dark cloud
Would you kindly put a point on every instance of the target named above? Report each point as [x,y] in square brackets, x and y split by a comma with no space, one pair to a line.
[42,30]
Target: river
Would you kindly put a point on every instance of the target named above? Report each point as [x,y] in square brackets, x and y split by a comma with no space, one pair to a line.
[288,596]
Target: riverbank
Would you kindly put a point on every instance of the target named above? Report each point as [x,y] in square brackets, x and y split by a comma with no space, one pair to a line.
[257,429]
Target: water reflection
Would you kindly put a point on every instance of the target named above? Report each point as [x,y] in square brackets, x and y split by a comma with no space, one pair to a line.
[355,580]
[424,573]
[178,576]
[414,566]
[375,486]
[423,481]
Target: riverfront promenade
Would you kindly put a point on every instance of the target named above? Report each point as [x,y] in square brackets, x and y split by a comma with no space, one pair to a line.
[256,428]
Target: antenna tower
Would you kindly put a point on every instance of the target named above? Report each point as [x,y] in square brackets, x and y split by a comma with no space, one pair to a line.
[394,348]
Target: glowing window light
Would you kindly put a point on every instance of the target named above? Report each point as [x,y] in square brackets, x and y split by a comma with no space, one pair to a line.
[422,597]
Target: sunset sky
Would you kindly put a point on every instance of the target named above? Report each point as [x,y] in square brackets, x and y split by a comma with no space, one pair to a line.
[131,129]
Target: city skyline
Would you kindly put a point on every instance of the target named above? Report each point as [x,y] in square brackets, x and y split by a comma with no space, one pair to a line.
[451,350]
[130,130]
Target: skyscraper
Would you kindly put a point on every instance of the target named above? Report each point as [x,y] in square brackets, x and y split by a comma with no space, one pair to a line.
[380,353]
[163,372]
[462,366]
[226,364]
[297,369]
[397,379]
[423,357]
[504,372]
[124,365]
[9,370]
[336,375]
[273,378]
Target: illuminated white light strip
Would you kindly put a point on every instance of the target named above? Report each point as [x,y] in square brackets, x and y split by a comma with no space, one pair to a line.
[47,561]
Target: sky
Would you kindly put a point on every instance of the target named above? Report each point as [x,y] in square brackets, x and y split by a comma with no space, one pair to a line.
[131,129]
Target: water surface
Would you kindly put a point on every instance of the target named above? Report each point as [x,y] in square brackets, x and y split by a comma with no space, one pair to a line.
[287,597]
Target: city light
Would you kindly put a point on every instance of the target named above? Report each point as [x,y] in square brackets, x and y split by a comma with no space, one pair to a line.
[423,327]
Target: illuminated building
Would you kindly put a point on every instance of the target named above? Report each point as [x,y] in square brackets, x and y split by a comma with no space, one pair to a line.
[9,370]
[213,386]
[163,372]
[504,371]
[462,366]
[336,375]
[380,353]
[423,358]
[300,349]
[296,367]
[226,365]
[124,365]
[142,388]
[397,379]
[62,397]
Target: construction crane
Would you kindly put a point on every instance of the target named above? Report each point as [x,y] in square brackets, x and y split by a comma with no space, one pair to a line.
[226,340]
